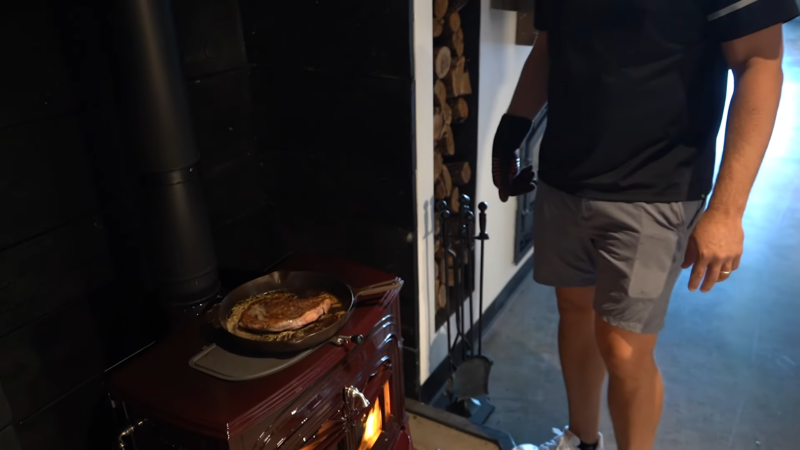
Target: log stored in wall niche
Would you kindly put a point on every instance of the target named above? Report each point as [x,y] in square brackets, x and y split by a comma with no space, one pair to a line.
[456,62]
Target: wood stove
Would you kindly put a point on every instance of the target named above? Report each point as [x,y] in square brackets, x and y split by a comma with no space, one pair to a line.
[347,397]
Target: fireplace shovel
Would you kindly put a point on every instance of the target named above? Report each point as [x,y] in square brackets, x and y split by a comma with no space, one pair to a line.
[470,381]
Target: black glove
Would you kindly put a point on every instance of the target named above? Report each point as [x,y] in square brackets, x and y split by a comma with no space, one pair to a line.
[506,173]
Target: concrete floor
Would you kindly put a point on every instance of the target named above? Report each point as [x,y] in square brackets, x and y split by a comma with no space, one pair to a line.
[431,435]
[730,358]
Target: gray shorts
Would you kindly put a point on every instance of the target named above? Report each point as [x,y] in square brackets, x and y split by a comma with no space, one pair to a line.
[631,252]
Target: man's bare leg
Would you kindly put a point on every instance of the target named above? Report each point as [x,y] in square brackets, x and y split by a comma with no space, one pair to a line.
[635,390]
[581,364]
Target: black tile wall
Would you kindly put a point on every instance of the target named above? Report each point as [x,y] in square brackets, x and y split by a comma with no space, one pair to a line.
[44,361]
[78,421]
[222,118]
[351,36]
[337,145]
[209,36]
[35,77]
[42,274]
[8,439]
[45,178]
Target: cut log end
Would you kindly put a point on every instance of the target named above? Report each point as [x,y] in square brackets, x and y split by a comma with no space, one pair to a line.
[441,296]
[447,145]
[459,110]
[438,164]
[457,82]
[440,92]
[448,181]
[438,124]
[439,189]
[440,8]
[453,23]
[466,84]
[447,114]
[457,43]
[442,60]
[460,172]
[438,28]
[443,186]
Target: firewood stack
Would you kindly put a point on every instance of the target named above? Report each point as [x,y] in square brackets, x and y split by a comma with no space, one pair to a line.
[451,85]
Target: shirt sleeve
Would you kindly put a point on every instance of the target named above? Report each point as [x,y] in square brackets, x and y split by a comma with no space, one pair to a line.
[540,15]
[734,19]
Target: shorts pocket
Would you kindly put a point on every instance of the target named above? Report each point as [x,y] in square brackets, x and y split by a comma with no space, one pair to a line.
[655,256]
[693,211]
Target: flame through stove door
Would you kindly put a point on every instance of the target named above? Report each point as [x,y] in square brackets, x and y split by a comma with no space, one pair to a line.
[378,416]
[368,430]
[373,426]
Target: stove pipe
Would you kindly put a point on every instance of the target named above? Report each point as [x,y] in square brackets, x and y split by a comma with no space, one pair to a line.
[156,115]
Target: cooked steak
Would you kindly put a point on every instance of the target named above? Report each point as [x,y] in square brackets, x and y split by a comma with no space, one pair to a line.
[283,312]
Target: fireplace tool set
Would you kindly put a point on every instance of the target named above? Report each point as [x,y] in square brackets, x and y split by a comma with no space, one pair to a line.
[468,386]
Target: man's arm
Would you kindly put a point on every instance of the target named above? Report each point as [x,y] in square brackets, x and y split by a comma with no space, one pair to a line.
[717,242]
[529,98]
[756,64]
[531,93]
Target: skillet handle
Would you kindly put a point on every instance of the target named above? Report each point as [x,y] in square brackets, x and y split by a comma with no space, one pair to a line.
[378,288]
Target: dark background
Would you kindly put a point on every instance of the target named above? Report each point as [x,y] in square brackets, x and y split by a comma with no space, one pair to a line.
[303,117]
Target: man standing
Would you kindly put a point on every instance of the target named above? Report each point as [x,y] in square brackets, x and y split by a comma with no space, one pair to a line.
[636,91]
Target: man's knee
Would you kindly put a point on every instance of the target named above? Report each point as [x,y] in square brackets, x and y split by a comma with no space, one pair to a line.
[627,355]
[573,300]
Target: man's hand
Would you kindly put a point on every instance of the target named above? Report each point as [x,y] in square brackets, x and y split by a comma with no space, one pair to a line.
[715,248]
[506,174]
[509,179]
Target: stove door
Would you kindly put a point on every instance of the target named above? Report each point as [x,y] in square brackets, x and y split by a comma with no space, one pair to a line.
[342,412]
[363,413]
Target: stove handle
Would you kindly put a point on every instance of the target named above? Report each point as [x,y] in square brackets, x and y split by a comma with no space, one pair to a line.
[355,398]
[339,341]
[127,432]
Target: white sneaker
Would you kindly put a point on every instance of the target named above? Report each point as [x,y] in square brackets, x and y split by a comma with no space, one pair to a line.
[562,441]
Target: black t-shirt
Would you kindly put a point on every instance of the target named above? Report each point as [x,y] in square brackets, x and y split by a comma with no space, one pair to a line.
[637,90]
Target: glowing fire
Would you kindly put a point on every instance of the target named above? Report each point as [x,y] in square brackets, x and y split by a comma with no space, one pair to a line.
[372,427]
[387,399]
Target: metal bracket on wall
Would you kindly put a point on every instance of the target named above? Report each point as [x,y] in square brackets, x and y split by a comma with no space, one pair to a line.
[514,5]
[523,239]
[526,33]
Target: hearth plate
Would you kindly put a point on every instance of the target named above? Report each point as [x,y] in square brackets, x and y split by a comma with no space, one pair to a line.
[222,364]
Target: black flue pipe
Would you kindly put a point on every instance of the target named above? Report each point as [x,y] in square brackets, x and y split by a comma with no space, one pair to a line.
[158,126]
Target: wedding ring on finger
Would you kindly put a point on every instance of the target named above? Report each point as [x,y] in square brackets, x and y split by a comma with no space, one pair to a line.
[724,274]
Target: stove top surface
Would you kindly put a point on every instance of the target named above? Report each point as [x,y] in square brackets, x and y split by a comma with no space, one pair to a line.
[225,365]
[160,382]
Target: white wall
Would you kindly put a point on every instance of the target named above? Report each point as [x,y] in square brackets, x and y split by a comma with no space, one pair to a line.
[423,73]
[501,64]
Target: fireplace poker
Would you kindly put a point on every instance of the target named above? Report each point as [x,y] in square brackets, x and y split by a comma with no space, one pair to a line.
[460,293]
[468,248]
[483,237]
[444,215]
[470,382]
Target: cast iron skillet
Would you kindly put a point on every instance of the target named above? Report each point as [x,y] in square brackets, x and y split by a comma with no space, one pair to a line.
[325,329]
